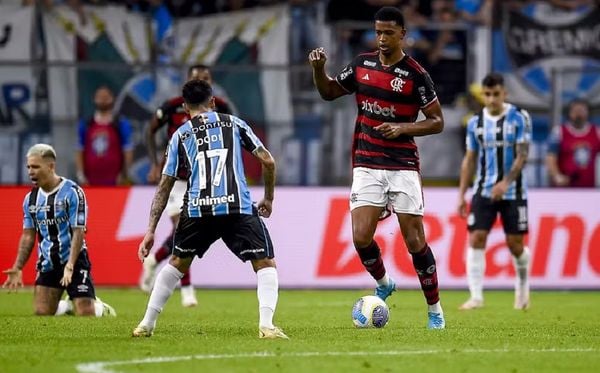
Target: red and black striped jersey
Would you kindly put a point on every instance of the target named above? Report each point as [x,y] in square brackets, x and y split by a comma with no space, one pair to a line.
[172,113]
[393,93]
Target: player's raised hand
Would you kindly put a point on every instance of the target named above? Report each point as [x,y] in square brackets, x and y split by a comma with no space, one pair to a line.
[317,58]
[146,246]
[14,280]
[265,207]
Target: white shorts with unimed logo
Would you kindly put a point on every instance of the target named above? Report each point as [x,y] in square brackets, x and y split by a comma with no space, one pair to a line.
[176,198]
[400,189]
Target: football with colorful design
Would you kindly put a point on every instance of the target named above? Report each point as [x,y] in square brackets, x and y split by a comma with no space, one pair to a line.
[370,312]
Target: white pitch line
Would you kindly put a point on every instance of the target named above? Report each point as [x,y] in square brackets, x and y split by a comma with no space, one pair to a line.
[104,366]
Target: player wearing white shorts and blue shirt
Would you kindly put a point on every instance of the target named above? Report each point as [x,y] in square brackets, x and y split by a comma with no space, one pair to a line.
[390,89]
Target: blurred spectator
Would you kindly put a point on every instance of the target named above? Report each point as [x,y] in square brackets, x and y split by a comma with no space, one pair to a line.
[447,57]
[573,149]
[303,38]
[105,151]
[474,11]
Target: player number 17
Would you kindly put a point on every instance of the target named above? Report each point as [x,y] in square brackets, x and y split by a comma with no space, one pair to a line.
[218,175]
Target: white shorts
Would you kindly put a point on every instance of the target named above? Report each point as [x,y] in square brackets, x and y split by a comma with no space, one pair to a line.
[176,198]
[400,189]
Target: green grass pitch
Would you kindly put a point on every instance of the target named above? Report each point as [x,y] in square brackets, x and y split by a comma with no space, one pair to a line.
[561,332]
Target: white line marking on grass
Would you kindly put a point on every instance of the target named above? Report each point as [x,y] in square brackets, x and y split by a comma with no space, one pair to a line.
[105,366]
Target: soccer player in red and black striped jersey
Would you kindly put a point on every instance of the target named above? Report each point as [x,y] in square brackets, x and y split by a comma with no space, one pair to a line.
[172,114]
[390,88]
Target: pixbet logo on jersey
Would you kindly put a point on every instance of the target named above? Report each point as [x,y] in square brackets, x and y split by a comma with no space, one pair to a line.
[375,108]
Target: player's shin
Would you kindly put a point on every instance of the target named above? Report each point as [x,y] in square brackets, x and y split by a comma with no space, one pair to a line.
[370,257]
[522,279]
[475,272]
[424,264]
[166,281]
[267,290]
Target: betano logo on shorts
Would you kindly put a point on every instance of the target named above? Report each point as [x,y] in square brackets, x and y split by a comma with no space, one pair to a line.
[375,108]
[210,201]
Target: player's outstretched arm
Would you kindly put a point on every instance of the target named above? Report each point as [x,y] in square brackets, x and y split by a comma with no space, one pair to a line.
[76,245]
[328,88]
[158,206]
[265,206]
[15,278]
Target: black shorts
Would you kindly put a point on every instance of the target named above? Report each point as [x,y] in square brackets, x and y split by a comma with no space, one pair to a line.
[81,285]
[245,235]
[484,212]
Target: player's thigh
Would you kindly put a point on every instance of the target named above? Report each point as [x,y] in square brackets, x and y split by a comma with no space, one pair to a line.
[364,224]
[248,238]
[193,236]
[82,284]
[405,192]
[514,217]
[411,227]
[368,188]
[482,214]
[45,299]
[175,200]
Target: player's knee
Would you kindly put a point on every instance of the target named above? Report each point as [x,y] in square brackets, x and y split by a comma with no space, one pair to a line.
[43,311]
[478,239]
[414,243]
[84,307]
[259,264]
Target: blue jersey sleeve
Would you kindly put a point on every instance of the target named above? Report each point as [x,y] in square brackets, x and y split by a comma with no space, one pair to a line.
[249,140]
[471,138]
[27,219]
[81,131]
[172,156]
[125,130]
[523,133]
[77,207]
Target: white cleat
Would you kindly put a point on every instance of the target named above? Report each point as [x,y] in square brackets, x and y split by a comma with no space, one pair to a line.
[271,333]
[471,304]
[188,296]
[108,310]
[148,273]
[142,331]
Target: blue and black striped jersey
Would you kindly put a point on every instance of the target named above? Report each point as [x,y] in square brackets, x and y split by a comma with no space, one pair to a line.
[209,148]
[54,215]
[494,138]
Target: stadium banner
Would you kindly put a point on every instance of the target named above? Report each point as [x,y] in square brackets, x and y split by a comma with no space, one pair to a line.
[16,27]
[530,44]
[311,231]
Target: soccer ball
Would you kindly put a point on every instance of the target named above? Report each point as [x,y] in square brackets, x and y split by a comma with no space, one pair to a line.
[370,312]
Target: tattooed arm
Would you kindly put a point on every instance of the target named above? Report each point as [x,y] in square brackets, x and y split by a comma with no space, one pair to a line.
[158,205]
[15,275]
[502,186]
[160,200]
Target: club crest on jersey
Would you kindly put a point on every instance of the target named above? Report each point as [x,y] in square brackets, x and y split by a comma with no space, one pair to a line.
[397,84]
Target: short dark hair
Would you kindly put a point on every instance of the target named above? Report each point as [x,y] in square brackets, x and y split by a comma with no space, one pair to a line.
[198,66]
[196,92]
[492,80]
[578,101]
[390,13]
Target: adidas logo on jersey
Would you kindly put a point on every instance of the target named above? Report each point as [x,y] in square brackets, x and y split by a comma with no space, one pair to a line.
[365,77]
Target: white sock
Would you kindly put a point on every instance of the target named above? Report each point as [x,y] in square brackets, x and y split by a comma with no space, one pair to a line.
[267,291]
[475,272]
[385,280]
[166,281]
[98,308]
[64,306]
[522,269]
[437,307]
